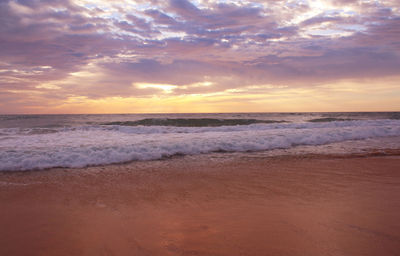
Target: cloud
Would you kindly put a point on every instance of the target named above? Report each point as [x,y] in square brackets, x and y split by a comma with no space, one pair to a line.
[229,44]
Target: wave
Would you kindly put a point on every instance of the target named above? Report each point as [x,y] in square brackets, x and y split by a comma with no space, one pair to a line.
[155,129]
[19,117]
[99,145]
[192,122]
[329,119]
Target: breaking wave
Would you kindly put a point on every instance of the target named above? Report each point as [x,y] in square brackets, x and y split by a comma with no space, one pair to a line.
[27,149]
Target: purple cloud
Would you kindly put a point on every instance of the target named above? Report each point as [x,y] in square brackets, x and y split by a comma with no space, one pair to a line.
[47,44]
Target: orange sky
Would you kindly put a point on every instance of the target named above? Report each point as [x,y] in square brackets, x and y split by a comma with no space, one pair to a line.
[80,56]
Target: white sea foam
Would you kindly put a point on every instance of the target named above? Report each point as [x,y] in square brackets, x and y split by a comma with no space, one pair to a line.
[26,149]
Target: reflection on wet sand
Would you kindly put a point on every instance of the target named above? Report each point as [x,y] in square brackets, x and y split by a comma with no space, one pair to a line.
[206,206]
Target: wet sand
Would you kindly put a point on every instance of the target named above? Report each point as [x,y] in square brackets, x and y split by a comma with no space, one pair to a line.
[206,205]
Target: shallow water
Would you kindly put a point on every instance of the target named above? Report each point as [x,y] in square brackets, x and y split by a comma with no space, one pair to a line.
[45,141]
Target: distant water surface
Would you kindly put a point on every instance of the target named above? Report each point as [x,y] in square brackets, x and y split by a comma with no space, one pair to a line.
[43,141]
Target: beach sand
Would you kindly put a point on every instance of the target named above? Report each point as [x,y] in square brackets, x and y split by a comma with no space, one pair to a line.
[217,204]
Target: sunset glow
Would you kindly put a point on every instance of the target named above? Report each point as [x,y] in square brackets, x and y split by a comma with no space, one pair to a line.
[78,56]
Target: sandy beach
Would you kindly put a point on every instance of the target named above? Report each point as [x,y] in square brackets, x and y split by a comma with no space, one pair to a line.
[216,204]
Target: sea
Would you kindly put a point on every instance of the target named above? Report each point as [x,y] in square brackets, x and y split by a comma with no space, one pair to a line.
[36,142]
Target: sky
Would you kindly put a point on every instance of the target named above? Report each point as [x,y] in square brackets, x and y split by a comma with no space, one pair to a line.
[180,56]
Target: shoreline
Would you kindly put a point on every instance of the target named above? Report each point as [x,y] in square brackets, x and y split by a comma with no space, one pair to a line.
[215,204]
[292,153]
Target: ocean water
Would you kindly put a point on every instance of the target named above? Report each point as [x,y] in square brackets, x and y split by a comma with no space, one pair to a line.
[30,142]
